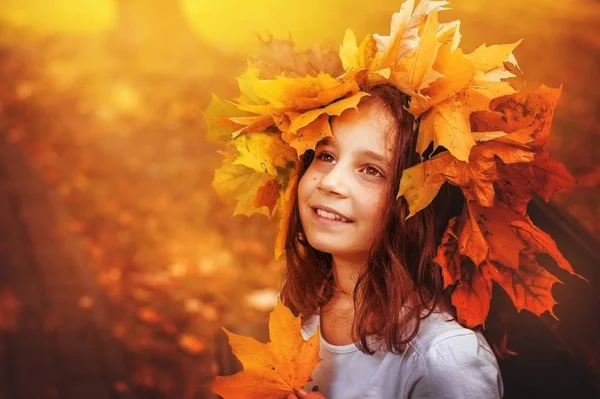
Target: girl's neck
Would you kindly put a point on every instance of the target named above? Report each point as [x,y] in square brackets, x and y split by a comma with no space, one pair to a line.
[345,274]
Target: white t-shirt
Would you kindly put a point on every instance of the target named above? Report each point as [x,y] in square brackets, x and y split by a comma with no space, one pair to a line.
[444,361]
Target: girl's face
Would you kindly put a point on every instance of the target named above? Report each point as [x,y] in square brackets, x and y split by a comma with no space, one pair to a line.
[340,195]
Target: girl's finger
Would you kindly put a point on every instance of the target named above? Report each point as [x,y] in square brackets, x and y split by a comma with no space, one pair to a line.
[310,395]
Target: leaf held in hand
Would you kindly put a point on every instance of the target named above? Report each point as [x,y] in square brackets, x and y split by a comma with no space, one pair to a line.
[275,369]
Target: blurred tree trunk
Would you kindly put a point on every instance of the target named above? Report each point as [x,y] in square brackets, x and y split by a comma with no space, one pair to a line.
[153,34]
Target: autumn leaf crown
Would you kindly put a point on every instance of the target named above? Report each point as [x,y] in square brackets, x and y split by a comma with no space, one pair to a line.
[468,103]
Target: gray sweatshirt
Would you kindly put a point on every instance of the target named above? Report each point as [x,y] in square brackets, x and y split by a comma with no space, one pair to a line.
[444,361]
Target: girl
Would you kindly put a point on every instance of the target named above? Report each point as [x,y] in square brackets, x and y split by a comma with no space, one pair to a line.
[365,276]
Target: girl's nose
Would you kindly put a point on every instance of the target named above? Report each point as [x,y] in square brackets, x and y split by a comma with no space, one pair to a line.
[333,183]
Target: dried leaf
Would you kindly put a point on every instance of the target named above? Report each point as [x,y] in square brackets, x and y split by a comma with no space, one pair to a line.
[239,183]
[306,138]
[275,369]
[486,58]
[529,287]
[267,195]
[216,115]
[472,296]
[285,205]
[303,131]
[533,111]
[277,57]
[263,152]
[457,72]
[356,57]
[421,183]
[447,125]
[485,245]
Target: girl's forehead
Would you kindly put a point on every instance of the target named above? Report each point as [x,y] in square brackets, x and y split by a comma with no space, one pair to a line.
[370,127]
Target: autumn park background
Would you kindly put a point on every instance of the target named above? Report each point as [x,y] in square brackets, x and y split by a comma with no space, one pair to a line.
[118,262]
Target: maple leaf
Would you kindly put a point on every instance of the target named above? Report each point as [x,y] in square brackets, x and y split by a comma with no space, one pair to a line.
[529,287]
[404,31]
[472,295]
[487,58]
[303,131]
[275,369]
[267,195]
[274,96]
[285,206]
[531,112]
[456,73]
[250,124]
[219,127]
[486,245]
[460,86]
[448,123]
[449,33]
[421,183]
[263,152]
[518,182]
[238,183]
[277,57]
[357,57]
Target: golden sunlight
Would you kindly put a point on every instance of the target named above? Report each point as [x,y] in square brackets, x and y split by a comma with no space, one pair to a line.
[68,16]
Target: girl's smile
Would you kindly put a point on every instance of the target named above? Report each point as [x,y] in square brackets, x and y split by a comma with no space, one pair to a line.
[325,216]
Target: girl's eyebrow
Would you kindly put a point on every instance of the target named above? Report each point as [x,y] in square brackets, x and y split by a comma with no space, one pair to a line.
[330,142]
[373,155]
[327,141]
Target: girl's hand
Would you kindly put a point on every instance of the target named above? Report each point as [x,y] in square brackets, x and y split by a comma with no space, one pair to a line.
[301,393]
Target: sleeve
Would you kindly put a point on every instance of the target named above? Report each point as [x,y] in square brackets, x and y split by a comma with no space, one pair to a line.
[461,366]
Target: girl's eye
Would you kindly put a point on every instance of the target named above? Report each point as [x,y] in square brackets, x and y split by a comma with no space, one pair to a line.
[373,171]
[325,156]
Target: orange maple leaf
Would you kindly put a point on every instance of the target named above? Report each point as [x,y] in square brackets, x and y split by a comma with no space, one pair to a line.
[518,182]
[421,183]
[472,258]
[267,195]
[275,369]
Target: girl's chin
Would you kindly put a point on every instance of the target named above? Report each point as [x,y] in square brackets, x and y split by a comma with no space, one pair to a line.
[331,247]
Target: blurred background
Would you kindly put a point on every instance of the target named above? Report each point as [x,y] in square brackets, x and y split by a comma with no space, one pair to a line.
[119,264]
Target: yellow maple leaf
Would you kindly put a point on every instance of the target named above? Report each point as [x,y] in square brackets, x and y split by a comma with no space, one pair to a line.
[356,57]
[457,73]
[306,138]
[404,37]
[285,205]
[486,58]
[449,33]
[304,130]
[239,183]
[263,152]
[275,369]
[217,114]
[447,124]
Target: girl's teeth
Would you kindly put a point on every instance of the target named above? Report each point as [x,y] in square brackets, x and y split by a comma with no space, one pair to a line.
[329,215]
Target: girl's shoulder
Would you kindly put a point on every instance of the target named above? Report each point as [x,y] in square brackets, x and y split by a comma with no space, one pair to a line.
[439,331]
[450,361]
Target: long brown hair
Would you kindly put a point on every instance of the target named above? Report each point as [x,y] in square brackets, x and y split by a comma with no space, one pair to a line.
[400,275]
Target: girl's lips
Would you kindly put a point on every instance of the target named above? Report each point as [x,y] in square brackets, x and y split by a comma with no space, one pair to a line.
[321,219]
